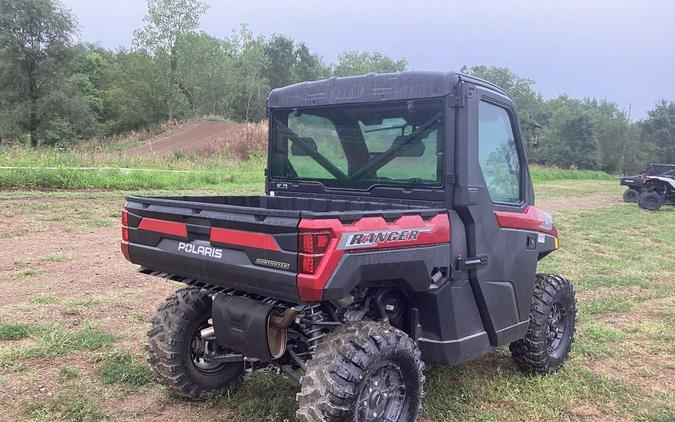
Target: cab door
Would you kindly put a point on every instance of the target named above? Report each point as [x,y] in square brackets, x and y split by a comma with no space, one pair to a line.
[493,180]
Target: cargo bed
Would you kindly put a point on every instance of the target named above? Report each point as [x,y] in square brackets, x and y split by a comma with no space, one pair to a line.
[242,242]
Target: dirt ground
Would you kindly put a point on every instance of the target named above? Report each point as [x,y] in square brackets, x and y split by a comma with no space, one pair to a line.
[188,137]
[60,264]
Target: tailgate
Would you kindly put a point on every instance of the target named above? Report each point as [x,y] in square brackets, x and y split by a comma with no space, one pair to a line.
[228,246]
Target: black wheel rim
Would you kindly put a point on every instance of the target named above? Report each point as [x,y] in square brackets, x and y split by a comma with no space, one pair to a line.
[557,327]
[650,202]
[200,349]
[383,395]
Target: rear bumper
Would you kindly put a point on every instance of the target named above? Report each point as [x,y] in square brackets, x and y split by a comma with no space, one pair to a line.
[234,270]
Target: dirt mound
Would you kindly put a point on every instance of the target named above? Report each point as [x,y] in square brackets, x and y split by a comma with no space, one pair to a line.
[204,137]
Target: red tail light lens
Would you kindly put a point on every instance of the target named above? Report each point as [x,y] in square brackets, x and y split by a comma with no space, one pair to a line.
[125,225]
[309,263]
[311,247]
[314,242]
[125,233]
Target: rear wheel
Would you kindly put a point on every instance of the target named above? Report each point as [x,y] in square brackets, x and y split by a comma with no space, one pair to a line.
[177,353]
[631,195]
[552,323]
[366,371]
[651,201]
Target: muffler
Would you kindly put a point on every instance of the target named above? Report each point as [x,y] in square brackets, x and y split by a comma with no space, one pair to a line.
[254,329]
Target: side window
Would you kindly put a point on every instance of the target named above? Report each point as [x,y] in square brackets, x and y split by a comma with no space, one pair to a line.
[497,154]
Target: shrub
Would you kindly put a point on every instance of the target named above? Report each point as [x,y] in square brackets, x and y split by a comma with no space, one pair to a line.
[59,132]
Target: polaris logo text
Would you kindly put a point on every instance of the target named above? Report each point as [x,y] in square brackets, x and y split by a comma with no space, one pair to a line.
[371,238]
[200,250]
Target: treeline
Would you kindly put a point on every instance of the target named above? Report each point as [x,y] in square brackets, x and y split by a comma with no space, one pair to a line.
[56,91]
[586,133]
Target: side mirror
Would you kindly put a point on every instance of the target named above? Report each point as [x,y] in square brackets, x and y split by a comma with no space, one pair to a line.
[298,150]
[412,148]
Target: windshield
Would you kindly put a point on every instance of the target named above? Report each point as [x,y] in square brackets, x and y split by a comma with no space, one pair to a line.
[357,146]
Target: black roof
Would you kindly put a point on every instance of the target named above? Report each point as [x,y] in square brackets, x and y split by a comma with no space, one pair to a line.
[371,88]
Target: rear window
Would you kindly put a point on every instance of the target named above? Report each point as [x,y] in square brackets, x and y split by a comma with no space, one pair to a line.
[359,145]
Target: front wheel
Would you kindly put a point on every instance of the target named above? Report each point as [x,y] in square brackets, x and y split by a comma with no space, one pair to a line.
[365,371]
[550,334]
[177,353]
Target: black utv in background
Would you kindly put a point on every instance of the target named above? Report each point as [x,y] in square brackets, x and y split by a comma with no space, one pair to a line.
[658,190]
[635,183]
[398,228]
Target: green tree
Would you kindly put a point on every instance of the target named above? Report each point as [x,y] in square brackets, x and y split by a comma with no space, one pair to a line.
[35,39]
[658,131]
[86,74]
[252,84]
[136,92]
[635,152]
[11,104]
[281,58]
[521,90]
[207,69]
[612,130]
[358,63]
[167,22]
[569,140]
[309,66]
[290,63]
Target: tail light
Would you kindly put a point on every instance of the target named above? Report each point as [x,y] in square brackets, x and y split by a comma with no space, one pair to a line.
[311,248]
[314,242]
[125,225]
[125,233]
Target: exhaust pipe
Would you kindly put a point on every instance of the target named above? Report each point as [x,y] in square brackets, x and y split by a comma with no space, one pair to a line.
[276,331]
[251,328]
[208,333]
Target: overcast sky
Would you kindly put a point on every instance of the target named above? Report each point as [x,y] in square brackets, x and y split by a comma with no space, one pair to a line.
[620,50]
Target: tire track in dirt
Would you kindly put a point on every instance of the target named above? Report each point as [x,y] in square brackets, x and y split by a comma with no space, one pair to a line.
[587,202]
[188,137]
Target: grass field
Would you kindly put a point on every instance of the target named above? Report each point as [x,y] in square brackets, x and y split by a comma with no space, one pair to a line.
[22,168]
[73,317]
